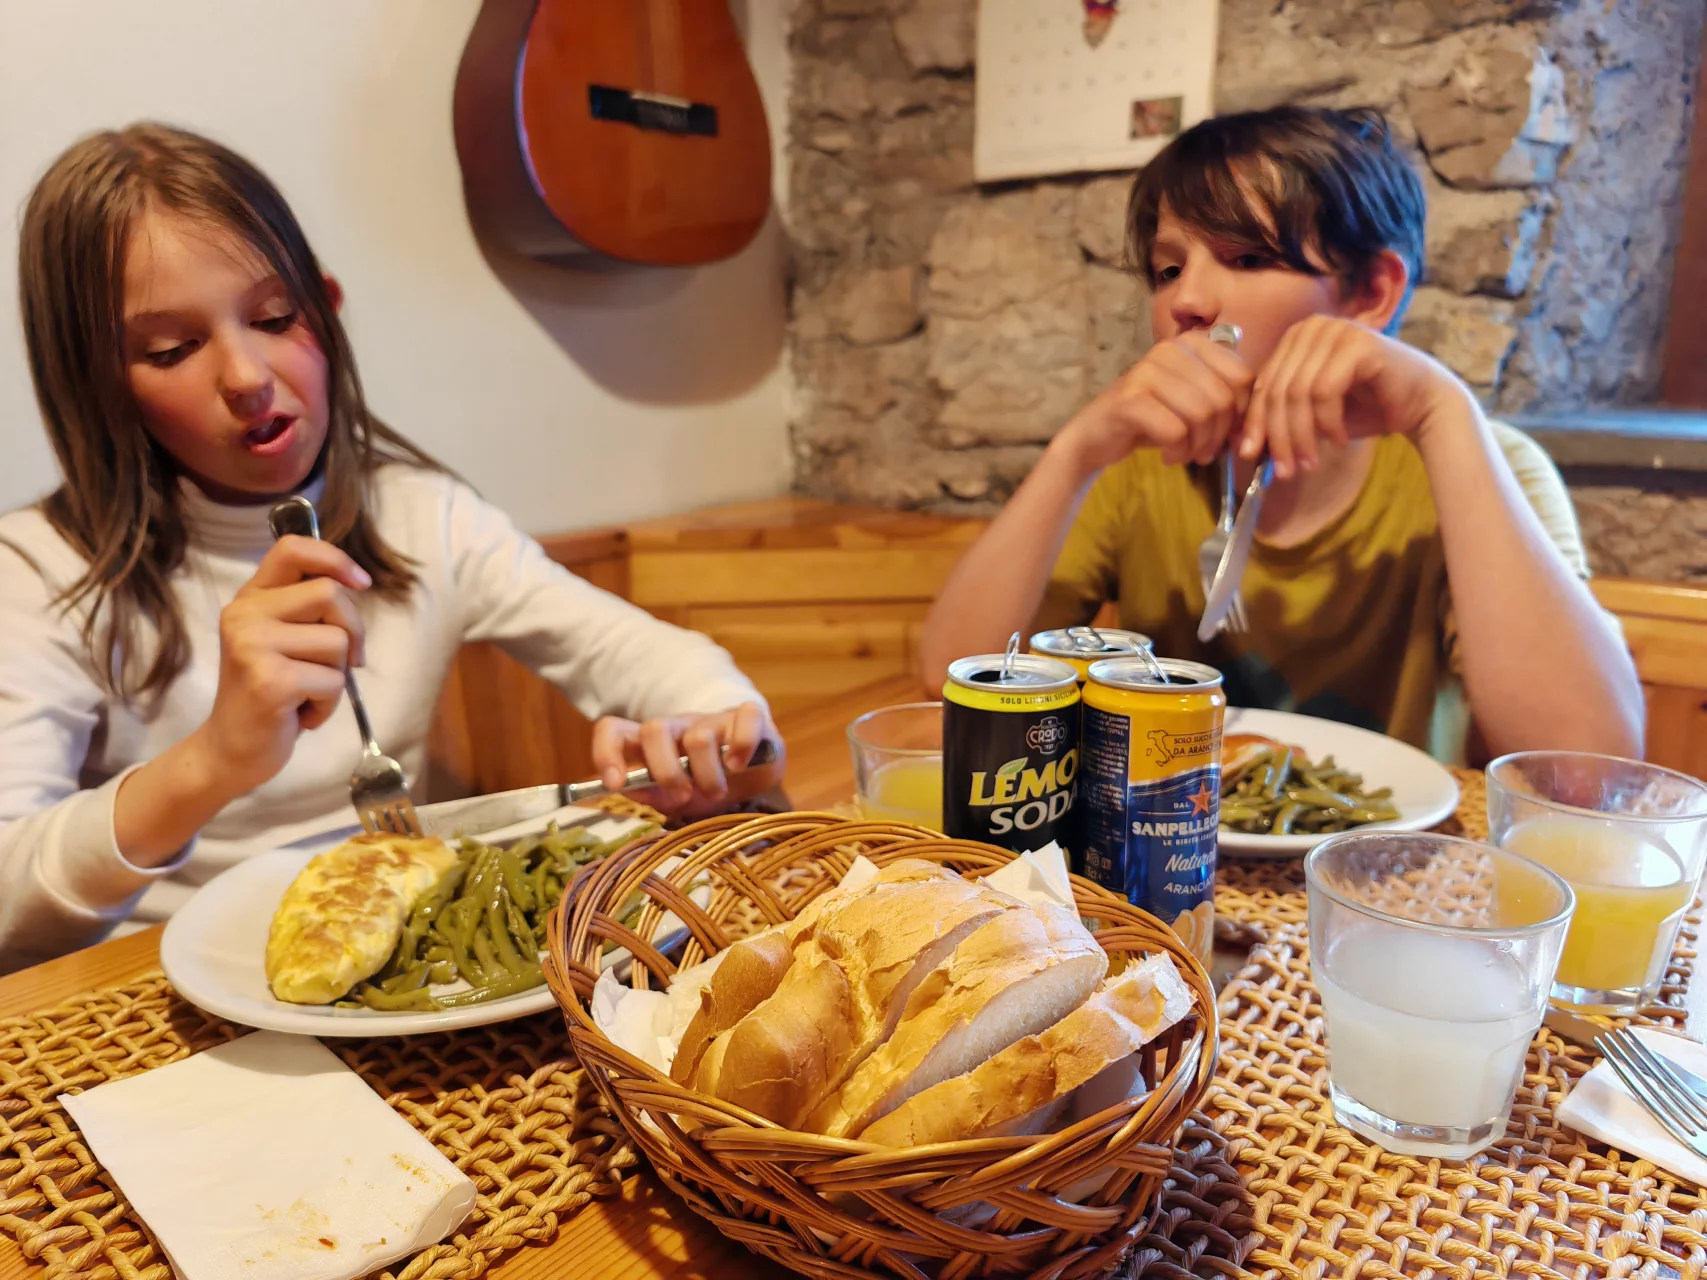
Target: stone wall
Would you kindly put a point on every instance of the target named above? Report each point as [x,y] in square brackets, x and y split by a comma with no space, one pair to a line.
[943,331]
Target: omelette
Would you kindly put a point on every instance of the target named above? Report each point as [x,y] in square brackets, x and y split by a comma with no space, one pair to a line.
[341,918]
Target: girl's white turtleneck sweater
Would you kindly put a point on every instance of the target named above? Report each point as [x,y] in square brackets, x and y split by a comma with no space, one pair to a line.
[65,745]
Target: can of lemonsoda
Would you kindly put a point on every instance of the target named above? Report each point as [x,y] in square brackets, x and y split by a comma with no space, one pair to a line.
[1150,791]
[1010,750]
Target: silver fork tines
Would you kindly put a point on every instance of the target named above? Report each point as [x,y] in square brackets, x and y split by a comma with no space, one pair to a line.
[1658,1087]
[379,789]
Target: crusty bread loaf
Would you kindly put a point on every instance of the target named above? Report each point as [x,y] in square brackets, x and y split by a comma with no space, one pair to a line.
[901,871]
[1026,1087]
[892,936]
[884,939]
[1012,977]
[750,972]
[784,1050]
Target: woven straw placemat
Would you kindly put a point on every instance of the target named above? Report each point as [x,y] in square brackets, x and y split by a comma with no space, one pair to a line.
[1267,1184]
[507,1104]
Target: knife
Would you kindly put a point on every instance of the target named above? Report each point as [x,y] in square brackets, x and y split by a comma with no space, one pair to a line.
[1581,1031]
[1238,553]
[501,808]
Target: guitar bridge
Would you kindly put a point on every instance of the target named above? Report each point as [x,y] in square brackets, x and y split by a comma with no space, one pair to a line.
[655,111]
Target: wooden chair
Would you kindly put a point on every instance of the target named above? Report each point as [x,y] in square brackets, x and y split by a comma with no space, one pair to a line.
[1666,627]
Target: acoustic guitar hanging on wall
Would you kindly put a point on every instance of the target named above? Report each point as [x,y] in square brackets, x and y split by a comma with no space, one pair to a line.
[627,128]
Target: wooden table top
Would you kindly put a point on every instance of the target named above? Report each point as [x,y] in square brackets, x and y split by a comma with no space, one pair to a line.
[644,1234]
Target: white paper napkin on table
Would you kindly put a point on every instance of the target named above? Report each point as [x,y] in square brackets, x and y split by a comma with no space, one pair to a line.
[1603,1108]
[269,1159]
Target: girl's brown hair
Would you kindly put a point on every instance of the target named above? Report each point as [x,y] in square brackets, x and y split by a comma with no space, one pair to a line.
[118,505]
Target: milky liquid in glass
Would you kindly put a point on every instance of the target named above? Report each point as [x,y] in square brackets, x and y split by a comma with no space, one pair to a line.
[1426,1029]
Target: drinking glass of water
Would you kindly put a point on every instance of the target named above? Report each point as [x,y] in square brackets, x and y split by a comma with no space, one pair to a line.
[897,755]
[1630,838]
[1434,957]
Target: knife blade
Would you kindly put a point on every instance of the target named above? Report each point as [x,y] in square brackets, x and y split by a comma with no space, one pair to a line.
[1238,553]
[501,808]
[1582,1031]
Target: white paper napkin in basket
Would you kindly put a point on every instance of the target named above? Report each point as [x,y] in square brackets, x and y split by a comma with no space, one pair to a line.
[269,1159]
[1603,1108]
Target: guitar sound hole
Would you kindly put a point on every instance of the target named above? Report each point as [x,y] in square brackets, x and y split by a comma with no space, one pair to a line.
[652,111]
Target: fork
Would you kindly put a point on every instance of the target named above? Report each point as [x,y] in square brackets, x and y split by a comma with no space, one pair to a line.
[1657,1086]
[379,789]
[1212,548]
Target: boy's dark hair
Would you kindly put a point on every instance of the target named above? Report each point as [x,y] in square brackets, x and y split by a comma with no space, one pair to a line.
[1288,182]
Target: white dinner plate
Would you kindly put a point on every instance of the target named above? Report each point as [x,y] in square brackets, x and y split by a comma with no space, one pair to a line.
[1424,791]
[214,947]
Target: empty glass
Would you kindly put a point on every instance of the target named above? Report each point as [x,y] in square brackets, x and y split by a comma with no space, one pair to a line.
[897,755]
[1434,957]
[1630,838]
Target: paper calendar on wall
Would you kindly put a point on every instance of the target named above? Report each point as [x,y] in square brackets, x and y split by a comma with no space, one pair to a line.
[1051,101]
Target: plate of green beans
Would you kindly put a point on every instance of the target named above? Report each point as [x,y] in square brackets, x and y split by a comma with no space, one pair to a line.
[478,934]
[1288,781]
[470,948]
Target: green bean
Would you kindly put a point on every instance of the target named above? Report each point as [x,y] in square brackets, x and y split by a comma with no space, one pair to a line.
[1372,813]
[515,880]
[498,930]
[410,979]
[521,980]
[374,998]
[485,956]
[460,935]
[1283,793]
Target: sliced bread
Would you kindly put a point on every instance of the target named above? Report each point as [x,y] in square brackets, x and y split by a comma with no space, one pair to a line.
[1010,978]
[901,871]
[884,940]
[1027,1086]
[782,1053]
[750,972]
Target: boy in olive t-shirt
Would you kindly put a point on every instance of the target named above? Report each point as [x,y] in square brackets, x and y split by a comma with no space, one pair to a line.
[1416,565]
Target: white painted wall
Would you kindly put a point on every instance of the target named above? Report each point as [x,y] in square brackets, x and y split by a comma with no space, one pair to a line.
[570,399]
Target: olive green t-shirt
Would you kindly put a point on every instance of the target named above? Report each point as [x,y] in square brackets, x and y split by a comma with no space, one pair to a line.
[1355,624]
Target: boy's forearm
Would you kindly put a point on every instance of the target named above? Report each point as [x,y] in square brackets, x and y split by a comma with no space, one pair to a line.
[999,583]
[1543,665]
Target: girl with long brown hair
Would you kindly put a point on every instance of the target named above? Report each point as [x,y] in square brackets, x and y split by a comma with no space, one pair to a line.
[160,655]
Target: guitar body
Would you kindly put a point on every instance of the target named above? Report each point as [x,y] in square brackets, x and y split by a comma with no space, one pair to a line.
[631,129]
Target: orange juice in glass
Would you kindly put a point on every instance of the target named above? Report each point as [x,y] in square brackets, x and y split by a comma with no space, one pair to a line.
[897,755]
[1630,839]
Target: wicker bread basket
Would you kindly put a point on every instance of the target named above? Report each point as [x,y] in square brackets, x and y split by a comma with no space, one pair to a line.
[831,1208]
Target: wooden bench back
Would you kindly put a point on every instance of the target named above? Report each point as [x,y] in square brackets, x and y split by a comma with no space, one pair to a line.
[815,598]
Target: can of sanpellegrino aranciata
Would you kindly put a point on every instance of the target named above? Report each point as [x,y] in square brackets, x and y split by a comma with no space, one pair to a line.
[1010,750]
[1150,795]
[1078,647]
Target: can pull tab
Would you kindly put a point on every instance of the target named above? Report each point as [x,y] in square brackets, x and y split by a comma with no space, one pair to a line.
[1008,656]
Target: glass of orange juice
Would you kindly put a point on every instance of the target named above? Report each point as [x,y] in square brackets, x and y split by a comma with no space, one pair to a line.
[897,754]
[1630,838]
